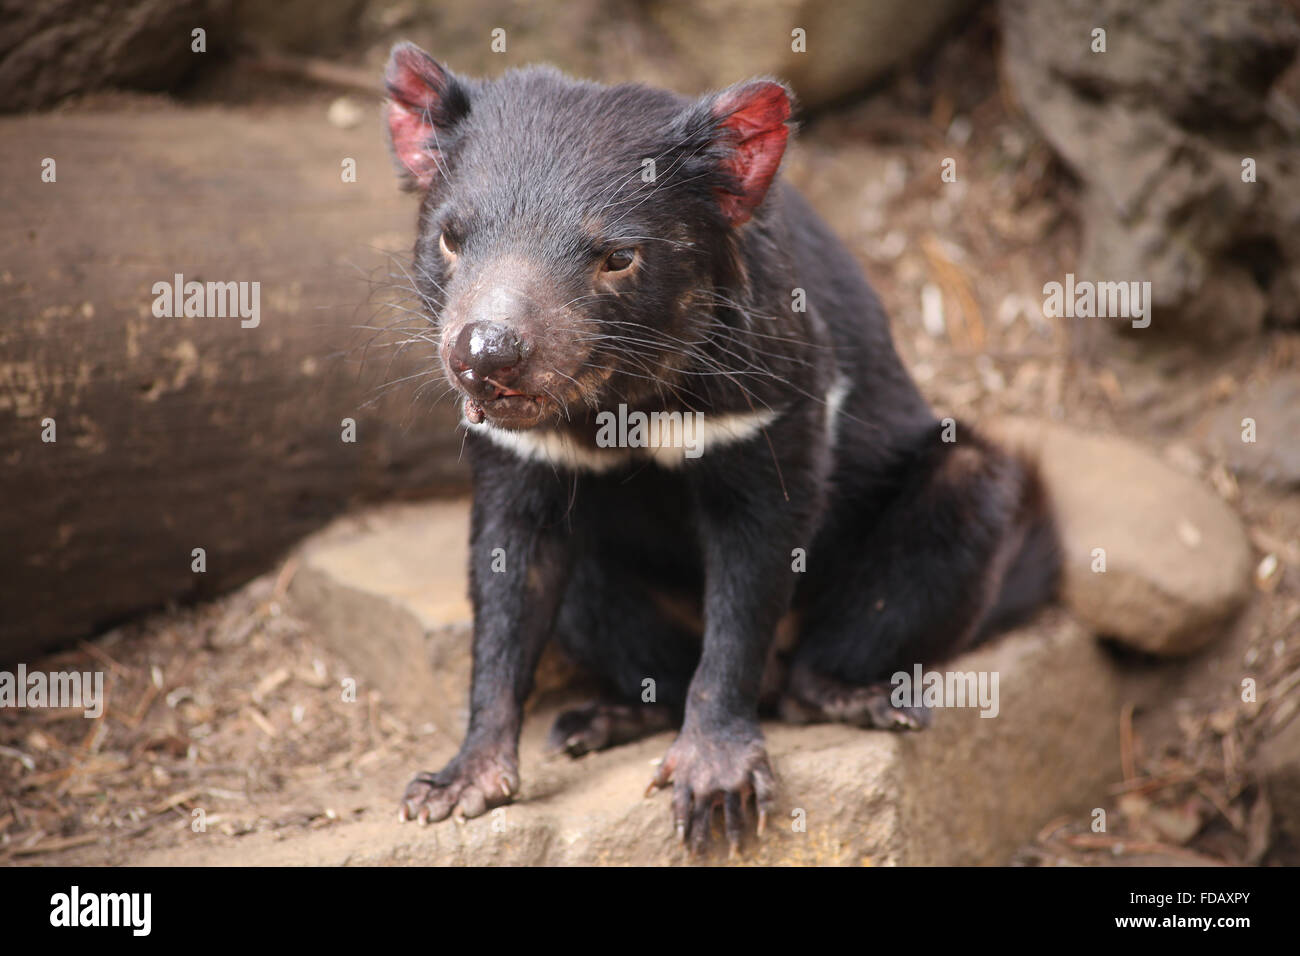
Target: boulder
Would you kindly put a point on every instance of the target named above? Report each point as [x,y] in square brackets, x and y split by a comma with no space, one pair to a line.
[1152,557]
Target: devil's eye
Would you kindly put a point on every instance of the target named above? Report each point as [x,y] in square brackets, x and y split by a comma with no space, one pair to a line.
[449,244]
[619,260]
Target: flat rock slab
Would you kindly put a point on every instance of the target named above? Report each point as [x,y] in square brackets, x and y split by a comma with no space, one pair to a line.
[1152,556]
[969,790]
[385,591]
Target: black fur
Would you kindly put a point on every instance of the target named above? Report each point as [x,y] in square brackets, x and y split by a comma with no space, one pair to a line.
[915,547]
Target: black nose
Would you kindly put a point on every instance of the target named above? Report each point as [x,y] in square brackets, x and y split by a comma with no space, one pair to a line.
[486,350]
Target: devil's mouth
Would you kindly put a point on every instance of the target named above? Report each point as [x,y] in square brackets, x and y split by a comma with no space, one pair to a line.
[508,409]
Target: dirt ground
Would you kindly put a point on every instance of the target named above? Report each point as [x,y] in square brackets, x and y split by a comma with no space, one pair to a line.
[233,708]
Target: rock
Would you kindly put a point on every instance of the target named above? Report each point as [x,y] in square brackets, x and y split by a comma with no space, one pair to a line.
[844,54]
[346,113]
[181,433]
[1177,560]
[1157,128]
[1274,407]
[969,790]
[387,592]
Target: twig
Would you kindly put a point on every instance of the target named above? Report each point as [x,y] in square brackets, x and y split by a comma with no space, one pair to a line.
[314,70]
[1102,841]
[54,846]
[284,578]
[1126,743]
[104,658]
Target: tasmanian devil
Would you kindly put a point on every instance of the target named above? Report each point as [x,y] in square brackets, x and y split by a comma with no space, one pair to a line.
[698,462]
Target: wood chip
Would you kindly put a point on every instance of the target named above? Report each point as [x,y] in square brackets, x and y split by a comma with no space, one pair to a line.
[264,725]
[270,683]
[176,799]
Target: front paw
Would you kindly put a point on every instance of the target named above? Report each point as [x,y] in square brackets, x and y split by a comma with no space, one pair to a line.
[717,768]
[469,786]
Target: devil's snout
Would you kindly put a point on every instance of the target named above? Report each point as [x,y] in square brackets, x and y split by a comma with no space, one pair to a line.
[485,354]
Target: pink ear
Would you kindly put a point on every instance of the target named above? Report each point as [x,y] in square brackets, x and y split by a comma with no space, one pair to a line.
[755,116]
[424,100]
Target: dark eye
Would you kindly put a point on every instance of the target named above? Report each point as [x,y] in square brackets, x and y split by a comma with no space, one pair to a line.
[619,260]
[448,244]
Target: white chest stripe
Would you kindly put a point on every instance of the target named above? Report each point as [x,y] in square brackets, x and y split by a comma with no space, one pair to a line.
[834,402]
[553,448]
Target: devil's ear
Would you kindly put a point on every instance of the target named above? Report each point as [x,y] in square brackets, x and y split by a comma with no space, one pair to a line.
[425,102]
[751,122]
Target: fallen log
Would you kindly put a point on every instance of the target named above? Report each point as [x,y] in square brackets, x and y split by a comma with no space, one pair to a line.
[146,459]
